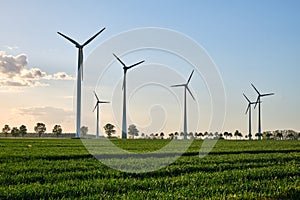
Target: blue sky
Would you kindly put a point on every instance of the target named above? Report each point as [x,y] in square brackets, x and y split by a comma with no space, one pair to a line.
[250,42]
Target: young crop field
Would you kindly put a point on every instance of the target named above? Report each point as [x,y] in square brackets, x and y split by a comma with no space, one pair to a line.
[64,169]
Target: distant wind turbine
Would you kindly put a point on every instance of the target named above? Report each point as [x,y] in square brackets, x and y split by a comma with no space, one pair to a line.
[259,109]
[124,121]
[186,88]
[97,106]
[249,111]
[79,75]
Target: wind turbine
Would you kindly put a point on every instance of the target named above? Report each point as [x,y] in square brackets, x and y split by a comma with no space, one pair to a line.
[259,109]
[79,75]
[124,121]
[186,88]
[249,111]
[97,106]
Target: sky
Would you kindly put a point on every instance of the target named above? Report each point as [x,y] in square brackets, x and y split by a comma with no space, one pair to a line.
[247,41]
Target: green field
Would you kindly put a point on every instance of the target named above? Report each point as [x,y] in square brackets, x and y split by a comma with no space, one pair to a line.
[63,169]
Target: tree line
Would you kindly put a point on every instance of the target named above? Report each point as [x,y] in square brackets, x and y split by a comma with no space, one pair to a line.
[133,132]
[39,128]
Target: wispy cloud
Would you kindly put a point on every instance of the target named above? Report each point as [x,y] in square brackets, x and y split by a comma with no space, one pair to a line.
[13,73]
[21,83]
[11,48]
[46,114]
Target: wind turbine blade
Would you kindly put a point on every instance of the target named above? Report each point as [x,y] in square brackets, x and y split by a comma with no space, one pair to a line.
[70,39]
[95,106]
[103,101]
[120,60]
[190,77]
[180,85]
[255,89]
[267,94]
[89,40]
[246,98]
[257,101]
[96,96]
[190,92]
[248,108]
[136,64]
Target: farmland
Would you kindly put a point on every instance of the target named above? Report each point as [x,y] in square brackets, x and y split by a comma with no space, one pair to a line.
[64,169]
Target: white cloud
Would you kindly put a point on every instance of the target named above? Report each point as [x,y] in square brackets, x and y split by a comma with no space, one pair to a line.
[62,76]
[13,72]
[33,73]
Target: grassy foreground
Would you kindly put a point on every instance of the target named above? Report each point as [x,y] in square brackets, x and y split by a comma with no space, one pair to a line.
[64,169]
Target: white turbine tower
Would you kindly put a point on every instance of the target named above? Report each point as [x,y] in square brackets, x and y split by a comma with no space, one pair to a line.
[79,75]
[124,121]
[259,109]
[186,88]
[248,110]
[97,106]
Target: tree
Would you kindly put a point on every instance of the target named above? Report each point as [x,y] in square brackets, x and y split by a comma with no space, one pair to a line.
[133,131]
[200,134]
[23,130]
[278,134]
[152,135]
[258,134]
[216,134]
[191,135]
[5,130]
[195,135]
[57,130]
[268,134]
[40,128]
[176,134]
[15,132]
[236,134]
[221,136]
[205,133]
[292,134]
[240,135]
[171,136]
[226,134]
[230,135]
[181,134]
[162,135]
[109,129]
[84,130]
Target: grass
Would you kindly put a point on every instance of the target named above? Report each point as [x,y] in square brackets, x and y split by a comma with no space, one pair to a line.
[64,169]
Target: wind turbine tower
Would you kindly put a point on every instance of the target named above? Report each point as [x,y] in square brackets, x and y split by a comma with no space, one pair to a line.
[186,88]
[124,120]
[259,109]
[97,106]
[249,112]
[79,75]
